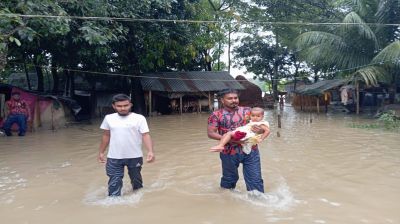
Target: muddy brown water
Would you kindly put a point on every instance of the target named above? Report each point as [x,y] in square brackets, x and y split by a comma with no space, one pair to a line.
[319,172]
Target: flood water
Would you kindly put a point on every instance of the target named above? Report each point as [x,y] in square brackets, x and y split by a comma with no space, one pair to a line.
[319,172]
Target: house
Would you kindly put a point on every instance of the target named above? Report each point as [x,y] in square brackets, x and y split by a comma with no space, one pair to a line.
[325,92]
[170,92]
[47,111]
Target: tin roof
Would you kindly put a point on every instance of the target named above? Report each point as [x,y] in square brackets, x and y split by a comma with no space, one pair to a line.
[320,87]
[194,81]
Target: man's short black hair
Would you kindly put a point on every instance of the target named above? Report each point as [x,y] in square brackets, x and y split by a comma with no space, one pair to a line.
[120,97]
[223,92]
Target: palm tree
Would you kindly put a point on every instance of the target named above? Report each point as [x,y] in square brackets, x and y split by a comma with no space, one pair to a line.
[353,47]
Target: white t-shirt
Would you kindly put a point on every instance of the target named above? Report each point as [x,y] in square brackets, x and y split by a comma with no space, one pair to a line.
[125,135]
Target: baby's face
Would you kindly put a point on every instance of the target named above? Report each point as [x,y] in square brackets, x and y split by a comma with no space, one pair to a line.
[256,116]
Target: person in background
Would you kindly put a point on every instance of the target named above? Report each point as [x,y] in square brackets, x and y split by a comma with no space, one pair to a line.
[17,112]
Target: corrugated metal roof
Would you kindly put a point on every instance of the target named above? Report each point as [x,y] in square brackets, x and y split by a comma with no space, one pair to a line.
[194,81]
[320,87]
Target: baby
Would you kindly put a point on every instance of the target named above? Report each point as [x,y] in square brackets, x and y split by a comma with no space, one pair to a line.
[245,134]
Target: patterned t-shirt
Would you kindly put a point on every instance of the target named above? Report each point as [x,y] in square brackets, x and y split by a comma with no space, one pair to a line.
[225,121]
[17,107]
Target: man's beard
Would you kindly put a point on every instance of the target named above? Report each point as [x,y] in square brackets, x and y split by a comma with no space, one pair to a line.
[233,106]
[123,114]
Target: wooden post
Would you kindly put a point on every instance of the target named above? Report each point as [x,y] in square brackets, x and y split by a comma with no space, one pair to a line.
[180,105]
[279,121]
[326,102]
[209,102]
[2,104]
[301,102]
[317,104]
[150,104]
[199,106]
[358,96]
[279,125]
[52,115]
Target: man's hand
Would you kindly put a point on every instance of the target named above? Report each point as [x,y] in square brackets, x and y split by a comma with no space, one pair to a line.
[150,157]
[101,158]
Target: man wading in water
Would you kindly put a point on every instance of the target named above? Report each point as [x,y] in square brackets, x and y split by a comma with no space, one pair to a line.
[124,131]
[227,119]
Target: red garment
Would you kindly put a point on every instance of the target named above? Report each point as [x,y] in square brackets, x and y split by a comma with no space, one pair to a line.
[237,135]
[17,107]
[225,121]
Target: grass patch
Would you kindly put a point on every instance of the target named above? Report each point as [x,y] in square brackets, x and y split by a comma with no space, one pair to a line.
[387,121]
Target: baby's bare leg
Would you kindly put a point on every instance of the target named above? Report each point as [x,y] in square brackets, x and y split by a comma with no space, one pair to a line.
[222,142]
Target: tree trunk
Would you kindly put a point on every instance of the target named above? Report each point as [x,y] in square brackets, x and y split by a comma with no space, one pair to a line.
[274,82]
[28,80]
[72,84]
[316,76]
[393,88]
[3,58]
[358,97]
[207,61]
[139,105]
[219,47]
[296,74]
[56,81]
[40,79]
[229,50]
[66,88]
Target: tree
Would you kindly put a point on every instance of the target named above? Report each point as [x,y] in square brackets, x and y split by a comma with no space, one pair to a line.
[261,56]
[353,46]
[273,18]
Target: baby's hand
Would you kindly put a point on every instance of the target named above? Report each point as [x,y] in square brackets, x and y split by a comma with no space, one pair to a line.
[259,139]
[257,129]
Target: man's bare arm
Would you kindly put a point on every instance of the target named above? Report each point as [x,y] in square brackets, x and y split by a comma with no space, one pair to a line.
[212,132]
[148,143]
[105,140]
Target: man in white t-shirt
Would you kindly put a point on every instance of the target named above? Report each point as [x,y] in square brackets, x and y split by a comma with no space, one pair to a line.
[124,133]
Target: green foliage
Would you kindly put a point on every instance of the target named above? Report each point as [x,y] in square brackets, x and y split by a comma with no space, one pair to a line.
[353,46]
[390,55]
[114,45]
[260,55]
[389,120]
[386,121]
